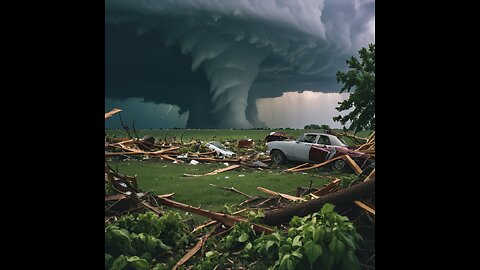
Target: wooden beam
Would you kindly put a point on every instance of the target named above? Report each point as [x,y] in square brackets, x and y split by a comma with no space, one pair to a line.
[353,164]
[112,112]
[318,165]
[283,195]
[232,167]
[297,167]
[326,189]
[365,207]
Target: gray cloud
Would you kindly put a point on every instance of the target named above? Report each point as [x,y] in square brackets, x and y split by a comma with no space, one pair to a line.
[214,58]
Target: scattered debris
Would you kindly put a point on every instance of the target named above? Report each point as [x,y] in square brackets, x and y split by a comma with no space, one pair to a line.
[277,136]
[246,143]
[194,162]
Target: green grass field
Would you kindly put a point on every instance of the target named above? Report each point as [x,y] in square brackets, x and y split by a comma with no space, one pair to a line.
[163,177]
[206,135]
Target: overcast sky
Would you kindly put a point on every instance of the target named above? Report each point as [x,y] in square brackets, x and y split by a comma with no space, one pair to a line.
[221,63]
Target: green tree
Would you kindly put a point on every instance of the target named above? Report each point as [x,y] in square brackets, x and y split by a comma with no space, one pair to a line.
[360,78]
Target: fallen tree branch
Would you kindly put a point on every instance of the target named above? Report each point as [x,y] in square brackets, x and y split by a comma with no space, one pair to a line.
[195,249]
[224,218]
[283,195]
[211,222]
[338,198]
[233,190]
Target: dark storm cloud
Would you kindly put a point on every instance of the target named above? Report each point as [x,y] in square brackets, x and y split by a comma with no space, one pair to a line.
[214,58]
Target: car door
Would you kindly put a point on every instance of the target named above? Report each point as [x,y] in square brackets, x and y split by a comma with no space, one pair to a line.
[301,148]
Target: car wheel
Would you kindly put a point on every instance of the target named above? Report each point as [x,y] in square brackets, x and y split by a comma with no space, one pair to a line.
[339,164]
[278,157]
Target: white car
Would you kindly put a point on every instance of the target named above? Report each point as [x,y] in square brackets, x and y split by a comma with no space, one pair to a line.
[220,149]
[299,150]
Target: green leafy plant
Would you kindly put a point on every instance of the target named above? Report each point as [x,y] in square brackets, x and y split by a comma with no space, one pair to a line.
[324,240]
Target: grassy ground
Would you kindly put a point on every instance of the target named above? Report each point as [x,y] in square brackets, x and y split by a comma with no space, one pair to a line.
[216,134]
[165,177]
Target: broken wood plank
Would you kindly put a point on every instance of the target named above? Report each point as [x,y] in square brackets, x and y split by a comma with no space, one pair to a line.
[318,165]
[211,222]
[216,159]
[195,249]
[353,164]
[297,167]
[138,152]
[233,190]
[283,195]
[228,220]
[327,189]
[370,176]
[365,207]
[171,158]
[115,197]
[112,112]
[232,167]
[339,198]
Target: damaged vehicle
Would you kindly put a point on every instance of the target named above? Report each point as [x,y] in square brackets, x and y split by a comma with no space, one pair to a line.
[315,148]
[220,149]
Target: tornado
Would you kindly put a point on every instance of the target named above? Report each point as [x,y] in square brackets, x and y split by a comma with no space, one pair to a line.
[214,58]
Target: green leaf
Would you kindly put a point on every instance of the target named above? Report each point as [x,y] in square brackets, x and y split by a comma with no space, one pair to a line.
[332,245]
[296,241]
[108,260]
[269,244]
[248,246]
[138,264]
[243,238]
[119,263]
[297,254]
[313,251]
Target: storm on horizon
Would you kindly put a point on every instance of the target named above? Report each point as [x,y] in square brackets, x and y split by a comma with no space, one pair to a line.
[230,64]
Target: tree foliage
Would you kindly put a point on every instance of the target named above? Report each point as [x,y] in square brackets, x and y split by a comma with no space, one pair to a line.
[361,78]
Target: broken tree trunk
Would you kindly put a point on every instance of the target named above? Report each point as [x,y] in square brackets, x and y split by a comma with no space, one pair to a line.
[338,198]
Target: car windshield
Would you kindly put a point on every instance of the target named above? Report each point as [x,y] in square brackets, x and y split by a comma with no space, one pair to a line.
[336,141]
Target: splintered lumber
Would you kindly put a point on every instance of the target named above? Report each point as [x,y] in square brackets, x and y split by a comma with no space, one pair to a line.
[195,249]
[138,152]
[370,176]
[283,195]
[327,189]
[171,158]
[115,197]
[341,197]
[233,190]
[232,167]
[224,218]
[316,165]
[216,159]
[112,112]
[297,167]
[211,222]
[365,207]
[353,164]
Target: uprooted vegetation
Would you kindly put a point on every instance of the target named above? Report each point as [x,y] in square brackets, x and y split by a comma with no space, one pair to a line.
[329,227]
